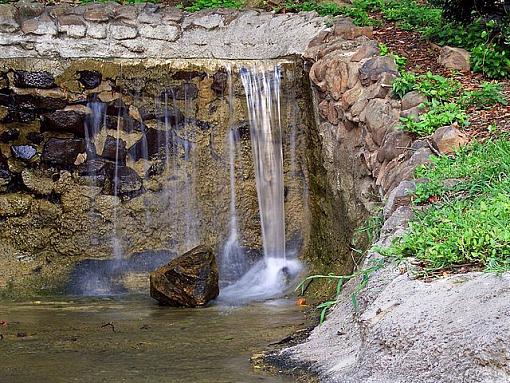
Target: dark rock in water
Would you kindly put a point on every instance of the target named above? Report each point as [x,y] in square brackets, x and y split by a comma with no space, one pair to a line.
[23,152]
[95,167]
[151,143]
[98,170]
[9,135]
[64,121]
[90,79]
[35,138]
[125,122]
[243,130]
[190,280]
[220,82]
[117,108]
[115,150]
[172,116]
[62,152]
[126,181]
[23,79]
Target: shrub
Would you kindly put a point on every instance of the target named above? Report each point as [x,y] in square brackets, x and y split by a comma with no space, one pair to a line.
[490,61]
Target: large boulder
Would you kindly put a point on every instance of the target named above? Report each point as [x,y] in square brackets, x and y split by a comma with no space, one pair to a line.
[190,280]
[454,58]
[448,139]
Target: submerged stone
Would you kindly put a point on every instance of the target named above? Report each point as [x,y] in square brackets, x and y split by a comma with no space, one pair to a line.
[190,280]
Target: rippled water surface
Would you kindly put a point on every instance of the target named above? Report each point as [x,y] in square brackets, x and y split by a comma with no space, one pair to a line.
[75,341]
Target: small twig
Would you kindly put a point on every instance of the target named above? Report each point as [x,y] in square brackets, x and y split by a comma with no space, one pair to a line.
[109,324]
[431,147]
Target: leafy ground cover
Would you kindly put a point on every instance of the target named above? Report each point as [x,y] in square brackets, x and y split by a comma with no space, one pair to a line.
[466,222]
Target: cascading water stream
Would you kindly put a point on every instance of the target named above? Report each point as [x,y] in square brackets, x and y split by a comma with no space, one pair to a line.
[232,264]
[269,277]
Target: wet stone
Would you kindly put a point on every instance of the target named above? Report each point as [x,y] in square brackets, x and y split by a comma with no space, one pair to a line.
[90,79]
[9,135]
[115,150]
[126,180]
[38,102]
[190,280]
[62,152]
[64,121]
[43,80]
[23,116]
[172,116]
[186,91]
[153,141]
[95,167]
[23,152]
[220,81]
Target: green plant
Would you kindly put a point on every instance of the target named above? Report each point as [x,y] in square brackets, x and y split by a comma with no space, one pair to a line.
[489,94]
[340,280]
[438,115]
[468,222]
[437,87]
[383,49]
[491,61]
[205,4]
[404,84]
[358,13]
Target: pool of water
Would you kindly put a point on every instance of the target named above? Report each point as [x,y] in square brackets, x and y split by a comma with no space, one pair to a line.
[132,339]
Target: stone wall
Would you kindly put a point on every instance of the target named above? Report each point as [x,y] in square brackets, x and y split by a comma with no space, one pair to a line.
[65,124]
[150,31]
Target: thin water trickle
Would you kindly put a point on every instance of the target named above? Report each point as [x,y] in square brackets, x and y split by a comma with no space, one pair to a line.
[232,262]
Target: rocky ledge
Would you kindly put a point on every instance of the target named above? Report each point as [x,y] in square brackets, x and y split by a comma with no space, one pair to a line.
[149,30]
[403,330]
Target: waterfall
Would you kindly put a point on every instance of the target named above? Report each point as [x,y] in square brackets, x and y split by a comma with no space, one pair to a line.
[270,276]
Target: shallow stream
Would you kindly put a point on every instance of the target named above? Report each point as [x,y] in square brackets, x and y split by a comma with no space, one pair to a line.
[132,339]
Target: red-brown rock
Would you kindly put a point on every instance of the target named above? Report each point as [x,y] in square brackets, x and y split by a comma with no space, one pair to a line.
[190,280]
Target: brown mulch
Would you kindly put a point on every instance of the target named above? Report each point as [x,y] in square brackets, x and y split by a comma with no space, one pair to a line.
[422,57]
